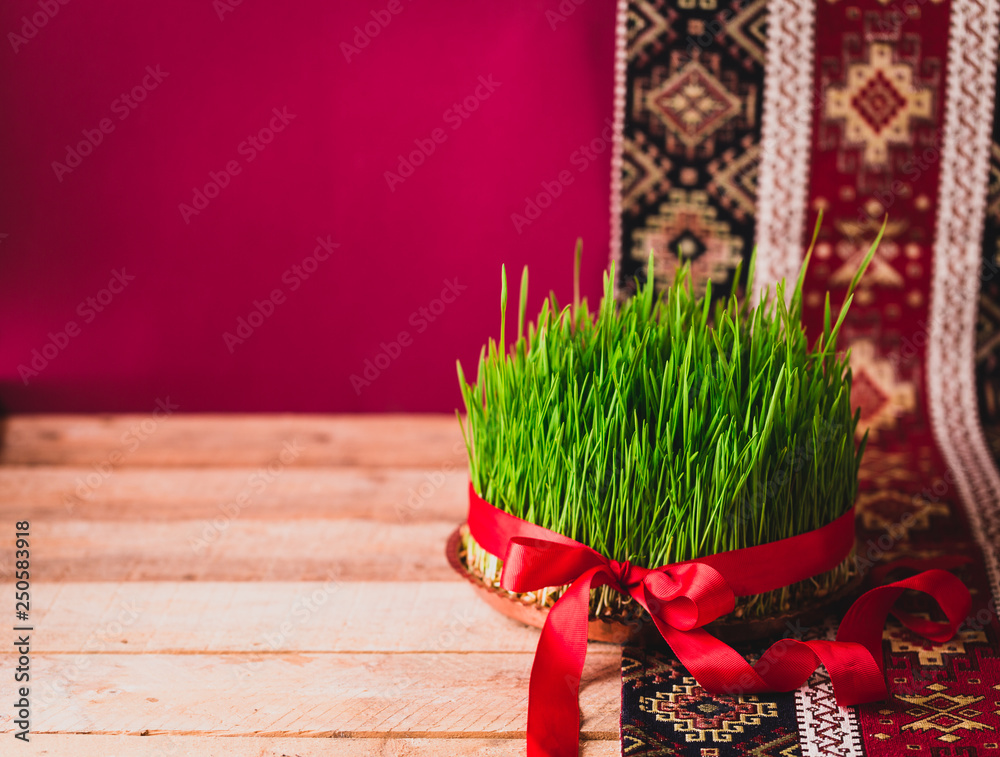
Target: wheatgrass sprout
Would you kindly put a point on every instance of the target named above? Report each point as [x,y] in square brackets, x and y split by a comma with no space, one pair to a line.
[661,429]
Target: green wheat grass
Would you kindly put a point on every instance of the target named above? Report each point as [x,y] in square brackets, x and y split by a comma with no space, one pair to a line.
[661,429]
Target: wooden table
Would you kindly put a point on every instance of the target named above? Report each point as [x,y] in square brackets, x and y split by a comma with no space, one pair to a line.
[259,585]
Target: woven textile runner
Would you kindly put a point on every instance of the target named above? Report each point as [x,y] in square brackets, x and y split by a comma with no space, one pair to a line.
[737,122]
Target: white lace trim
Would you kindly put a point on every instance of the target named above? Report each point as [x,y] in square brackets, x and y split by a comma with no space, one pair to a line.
[621,83]
[786,132]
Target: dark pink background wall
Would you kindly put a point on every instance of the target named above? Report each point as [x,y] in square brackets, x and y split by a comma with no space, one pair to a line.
[197,87]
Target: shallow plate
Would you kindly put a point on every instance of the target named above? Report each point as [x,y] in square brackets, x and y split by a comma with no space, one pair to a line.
[731,631]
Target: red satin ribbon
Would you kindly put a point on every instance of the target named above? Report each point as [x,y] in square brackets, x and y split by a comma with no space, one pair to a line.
[683,597]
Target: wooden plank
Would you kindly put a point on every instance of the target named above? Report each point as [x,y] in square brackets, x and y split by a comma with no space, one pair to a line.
[239,549]
[342,695]
[335,616]
[153,494]
[421,441]
[89,745]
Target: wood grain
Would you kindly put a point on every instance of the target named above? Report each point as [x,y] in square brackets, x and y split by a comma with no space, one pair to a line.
[399,441]
[190,600]
[301,694]
[153,494]
[269,617]
[239,549]
[59,745]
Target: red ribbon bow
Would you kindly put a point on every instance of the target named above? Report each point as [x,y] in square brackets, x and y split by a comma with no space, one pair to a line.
[683,597]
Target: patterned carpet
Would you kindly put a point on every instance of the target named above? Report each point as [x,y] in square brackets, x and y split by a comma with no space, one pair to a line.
[691,137]
[737,122]
[943,695]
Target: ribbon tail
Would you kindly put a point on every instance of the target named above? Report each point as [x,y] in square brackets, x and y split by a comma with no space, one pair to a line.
[785,666]
[554,691]
[854,660]
[717,667]
[866,618]
[855,673]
